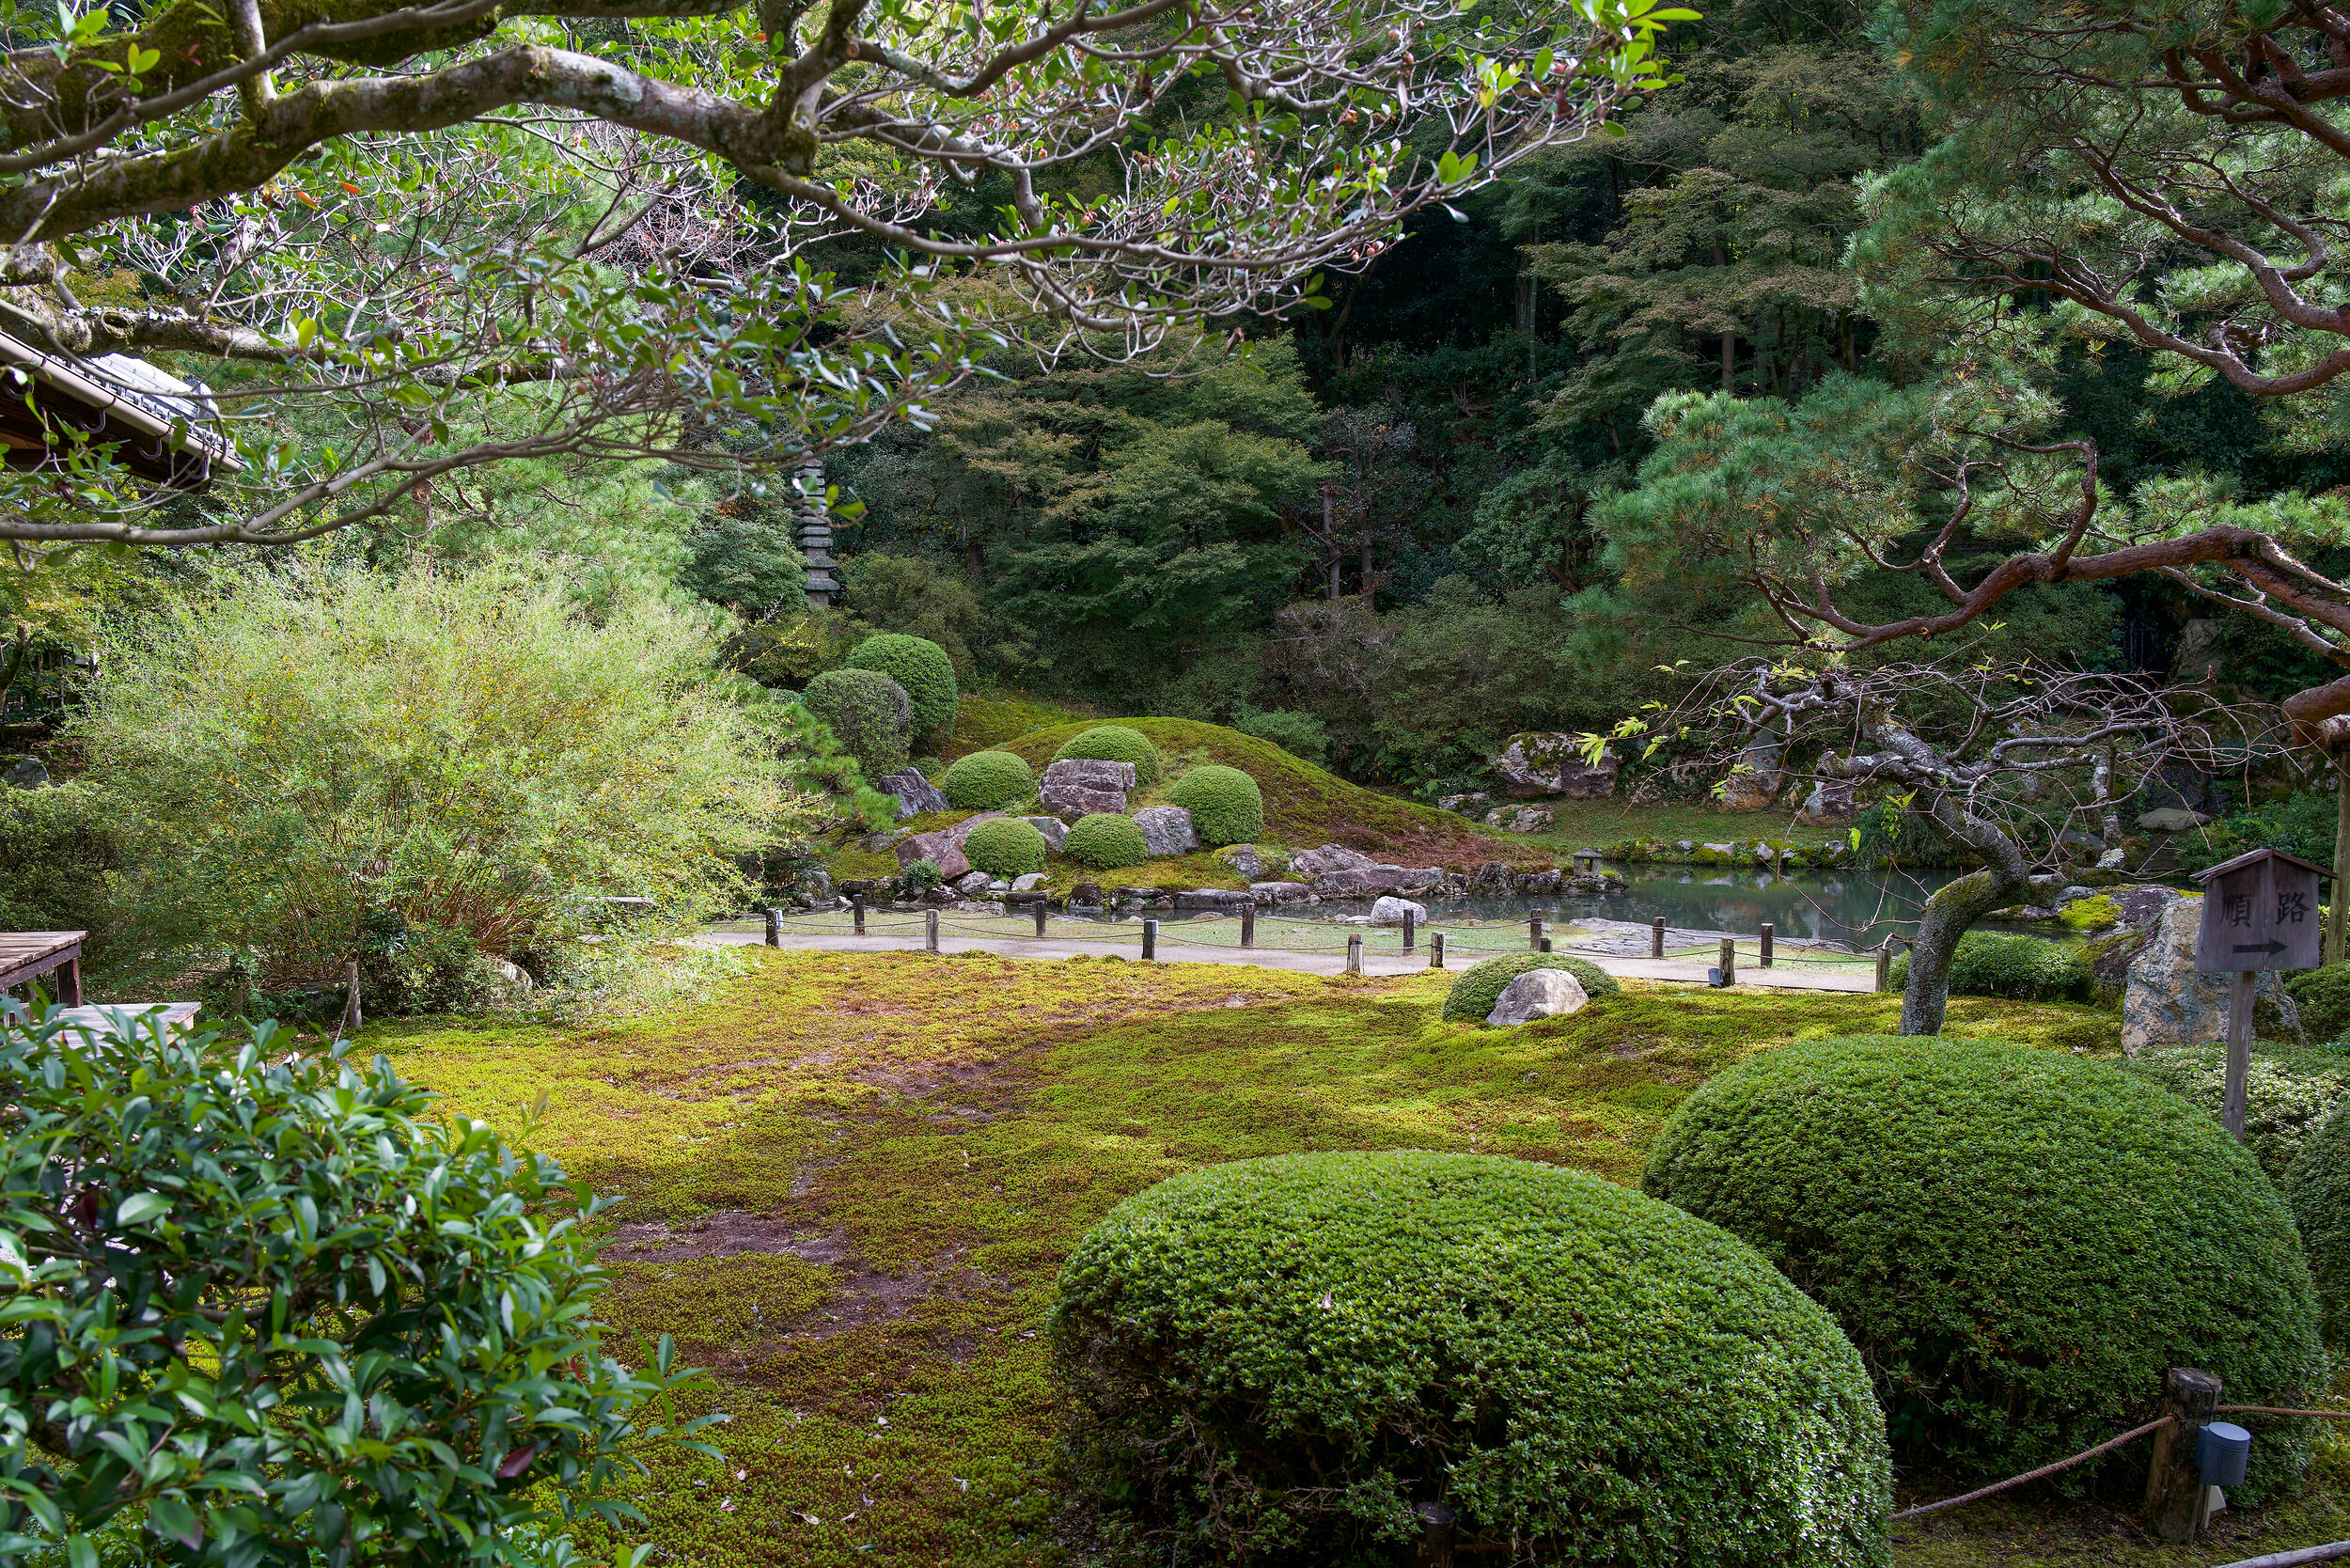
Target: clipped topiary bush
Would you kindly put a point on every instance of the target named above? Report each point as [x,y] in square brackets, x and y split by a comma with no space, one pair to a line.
[2317,1190]
[2020,1242]
[868,713]
[1105,842]
[1481,985]
[1005,847]
[987,781]
[1226,806]
[2287,1097]
[1279,1359]
[928,675]
[2011,965]
[1115,743]
[2324,998]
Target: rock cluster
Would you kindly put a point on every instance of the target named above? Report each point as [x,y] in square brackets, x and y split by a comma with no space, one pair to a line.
[944,848]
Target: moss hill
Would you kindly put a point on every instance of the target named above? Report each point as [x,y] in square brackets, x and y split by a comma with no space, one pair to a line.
[1304,805]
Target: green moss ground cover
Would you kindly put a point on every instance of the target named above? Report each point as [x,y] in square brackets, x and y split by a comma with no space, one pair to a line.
[852,1180]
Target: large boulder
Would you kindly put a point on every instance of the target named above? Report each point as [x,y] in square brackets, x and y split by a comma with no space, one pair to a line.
[1328,859]
[1830,804]
[1389,911]
[1212,897]
[1054,831]
[944,848]
[2167,1003]
[1247,861]
[1167,829]
[2170,819]
[1083,787]
[1550,762]
[1491,880]
[1538,994]
[1752,783]
[1522,819]
[915,794]
[1280,892]
[1368,882]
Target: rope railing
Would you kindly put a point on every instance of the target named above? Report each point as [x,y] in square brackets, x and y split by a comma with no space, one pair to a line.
[2106,1447]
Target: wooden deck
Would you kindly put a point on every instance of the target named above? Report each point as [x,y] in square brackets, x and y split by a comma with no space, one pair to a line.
[27,955]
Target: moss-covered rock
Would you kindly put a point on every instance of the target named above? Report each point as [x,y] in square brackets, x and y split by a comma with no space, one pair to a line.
[1105,842]
[1115,743]
[1481,985]
[1278,1360]
[986,781]
[2020,1242]
[1226,806]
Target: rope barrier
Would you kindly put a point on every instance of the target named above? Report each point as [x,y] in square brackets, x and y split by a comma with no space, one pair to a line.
[2271,1410]
[2106,1447]
[2293,1558]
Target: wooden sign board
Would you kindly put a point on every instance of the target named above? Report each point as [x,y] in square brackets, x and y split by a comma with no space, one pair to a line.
[2260,911]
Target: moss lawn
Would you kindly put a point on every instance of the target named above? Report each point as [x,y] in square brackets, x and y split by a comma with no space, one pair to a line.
[851,1179]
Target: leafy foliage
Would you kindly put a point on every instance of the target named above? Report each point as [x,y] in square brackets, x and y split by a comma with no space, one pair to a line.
[1302,735]
[1277,1360]
[1997,1229]
[2289,1094]
[1105,841]
[2317,1189]
[2011,964]
[1481,985]
[986,780]
[467,750]
[2323,994]
[1115,743]
[868,713]
[1005,848]
[319,1322]
[2299,823]
[1226,806]
[60,847]
[926,672]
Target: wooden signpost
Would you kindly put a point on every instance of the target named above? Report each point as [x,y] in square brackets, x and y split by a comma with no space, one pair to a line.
[2260,912]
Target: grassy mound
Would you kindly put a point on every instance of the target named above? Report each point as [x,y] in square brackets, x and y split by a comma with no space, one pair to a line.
[1278,1358]
[1304,805]
[1480,985]
[2002,1232]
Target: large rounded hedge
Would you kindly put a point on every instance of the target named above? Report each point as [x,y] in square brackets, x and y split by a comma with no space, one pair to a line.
[1105,842]
[923,669]
[987,780]
[1115,743]
[868,713]
[1226,806]
[2020,1242]
[1279,1359]
[2317,1190]
[1005,847]
[2011,964]
[1481,985]
[2288,1096]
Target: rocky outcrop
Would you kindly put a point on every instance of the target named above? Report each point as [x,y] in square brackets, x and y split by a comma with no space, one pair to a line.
[1368,882]
[1753,783]
[1493,880]
[2167,1002]
[1211,898]
[1081,786]
[1538,994]
[1280,892]
[1167,829]
[1830,804]
[1248,862]
[1328,859]
[1521,819]
[1054,831]
[915,794]
[1550,762]
[942,849]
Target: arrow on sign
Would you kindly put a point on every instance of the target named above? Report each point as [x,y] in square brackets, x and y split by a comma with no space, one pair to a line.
[2272,948]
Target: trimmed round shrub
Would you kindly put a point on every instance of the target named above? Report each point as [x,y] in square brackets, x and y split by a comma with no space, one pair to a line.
[2020,1242]
[1480,985]
[2324,998]
[2317,1190]
[923,669]
[1115,743]
[987,781]
[1279,1359]
[1105,842]
[2288,1096]
[868,713]
[1226,806]
[1005,847]
[2011,965]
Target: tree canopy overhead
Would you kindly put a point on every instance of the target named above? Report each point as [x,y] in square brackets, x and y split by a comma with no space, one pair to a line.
[431,237]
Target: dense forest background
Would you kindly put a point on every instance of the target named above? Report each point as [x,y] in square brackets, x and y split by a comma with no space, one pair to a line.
[1376,529]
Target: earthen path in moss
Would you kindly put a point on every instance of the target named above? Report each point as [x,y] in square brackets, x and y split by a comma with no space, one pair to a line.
[850,1181]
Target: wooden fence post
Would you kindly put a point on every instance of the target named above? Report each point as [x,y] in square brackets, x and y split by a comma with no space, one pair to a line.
[1150,939]
[1535,934]
[1765,959]
[1435,949]
[774,927]
[2239,1054]
[1354,954]
[1409,943]
[857,910]
[1885,964]
[1248,924]
[1434,1549]
[1043,904]
[929,931]
[2174,1482]
[1657,937]
[351,995]
[1730,961]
